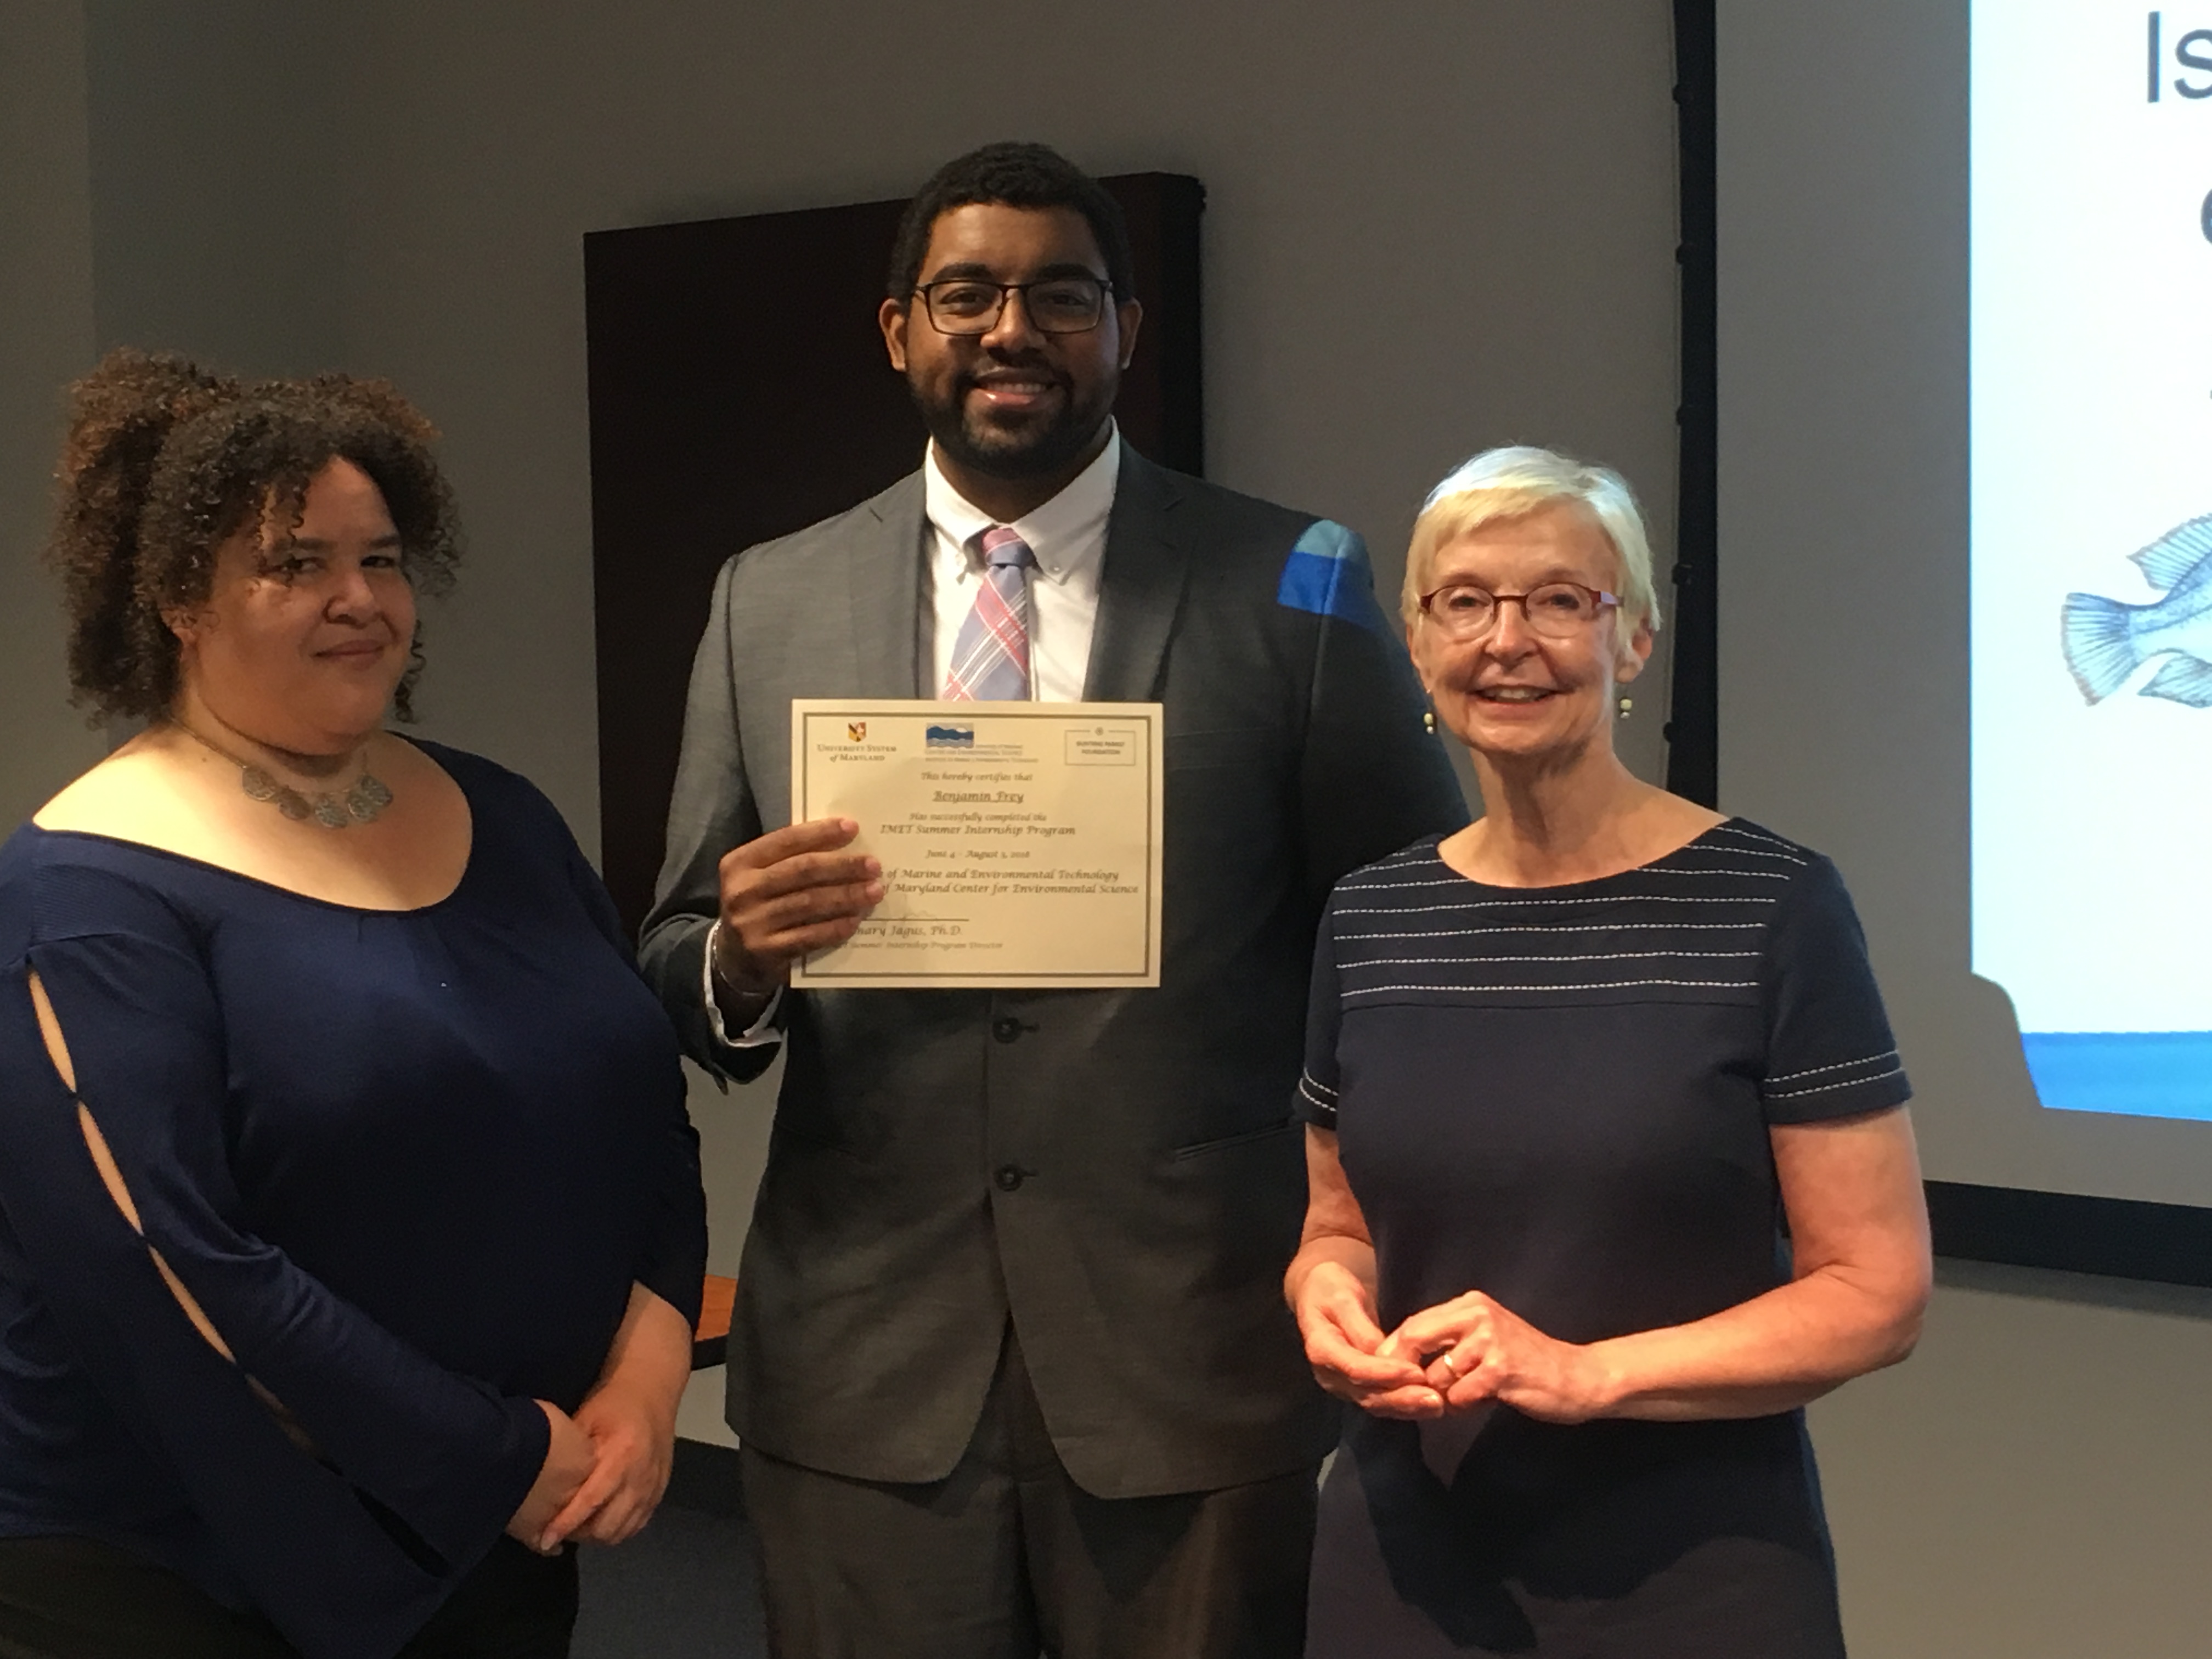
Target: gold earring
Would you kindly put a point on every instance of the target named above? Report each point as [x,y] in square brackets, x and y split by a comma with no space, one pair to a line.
[1429,721]
[1626,704]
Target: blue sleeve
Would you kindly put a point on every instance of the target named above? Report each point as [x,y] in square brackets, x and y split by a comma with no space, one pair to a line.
[449,1458]
[1829,1051]
[1318,1082]
[672,1262]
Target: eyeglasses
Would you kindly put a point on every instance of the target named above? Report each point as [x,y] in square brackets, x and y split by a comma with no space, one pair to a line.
[1557,610]
[1056,305]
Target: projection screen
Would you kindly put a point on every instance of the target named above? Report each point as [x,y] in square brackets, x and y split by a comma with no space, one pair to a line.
[1964,546]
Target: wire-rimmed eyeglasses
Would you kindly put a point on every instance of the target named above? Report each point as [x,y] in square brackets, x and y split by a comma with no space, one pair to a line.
[1054,305]
[1557,610]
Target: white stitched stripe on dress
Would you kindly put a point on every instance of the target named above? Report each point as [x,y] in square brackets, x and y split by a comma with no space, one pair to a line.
[1617,955]
[1757,840]
[1841,1066]
[1737,851]
[1522,904]
[1761,875]
[1824,1088]
[1611,985]
[1394,886]
[1572,928]
[1537,897]
[1313,1091]
[1404,856]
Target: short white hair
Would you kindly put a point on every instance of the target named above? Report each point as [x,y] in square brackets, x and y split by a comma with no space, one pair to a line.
[1516,481]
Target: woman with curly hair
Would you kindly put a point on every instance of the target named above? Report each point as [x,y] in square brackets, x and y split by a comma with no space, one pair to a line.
[350,1226]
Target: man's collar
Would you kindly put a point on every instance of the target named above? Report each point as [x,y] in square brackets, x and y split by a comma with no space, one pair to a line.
[1059,532]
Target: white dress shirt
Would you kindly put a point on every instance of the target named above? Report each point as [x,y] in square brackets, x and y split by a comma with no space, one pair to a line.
[1067,535]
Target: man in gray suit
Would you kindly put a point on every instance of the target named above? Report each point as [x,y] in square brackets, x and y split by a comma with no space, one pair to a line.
[1010,1366]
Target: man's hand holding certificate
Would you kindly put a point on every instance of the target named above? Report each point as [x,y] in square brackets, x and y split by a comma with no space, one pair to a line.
[1019,842]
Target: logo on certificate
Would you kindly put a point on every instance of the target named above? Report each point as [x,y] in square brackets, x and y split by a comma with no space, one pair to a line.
[948,736]
[856,731]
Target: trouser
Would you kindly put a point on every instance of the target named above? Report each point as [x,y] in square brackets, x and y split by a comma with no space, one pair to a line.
[1007,1557]
[74,1598]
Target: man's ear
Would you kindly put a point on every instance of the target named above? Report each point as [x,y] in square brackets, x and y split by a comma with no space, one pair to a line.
[891,317]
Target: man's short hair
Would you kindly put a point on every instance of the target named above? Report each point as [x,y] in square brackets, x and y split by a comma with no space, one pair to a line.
[1011,175]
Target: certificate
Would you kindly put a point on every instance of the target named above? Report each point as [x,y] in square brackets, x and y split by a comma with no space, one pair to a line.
[1020,842]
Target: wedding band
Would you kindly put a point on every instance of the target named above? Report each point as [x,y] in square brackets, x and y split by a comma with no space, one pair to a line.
[1448,1364]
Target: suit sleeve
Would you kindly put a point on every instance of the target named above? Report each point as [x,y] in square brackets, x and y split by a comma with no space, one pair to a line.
[711,810]
[1373,779]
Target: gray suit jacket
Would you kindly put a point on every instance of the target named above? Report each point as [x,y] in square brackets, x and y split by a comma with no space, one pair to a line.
[1119,1170]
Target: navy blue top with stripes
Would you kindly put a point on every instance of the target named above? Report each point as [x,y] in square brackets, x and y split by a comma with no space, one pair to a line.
[1561,1096]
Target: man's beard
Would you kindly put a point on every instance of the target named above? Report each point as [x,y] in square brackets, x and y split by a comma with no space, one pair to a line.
[1029,451]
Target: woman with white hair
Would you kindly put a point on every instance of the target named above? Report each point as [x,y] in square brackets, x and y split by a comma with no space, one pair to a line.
[1610,1168]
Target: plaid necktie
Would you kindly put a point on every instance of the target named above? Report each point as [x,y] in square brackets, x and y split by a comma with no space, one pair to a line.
[990,656]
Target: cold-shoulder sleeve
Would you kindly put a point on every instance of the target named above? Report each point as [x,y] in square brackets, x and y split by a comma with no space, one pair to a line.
[672,1262]
[419,1468]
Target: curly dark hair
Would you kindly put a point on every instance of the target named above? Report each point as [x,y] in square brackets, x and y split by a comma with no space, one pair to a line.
[165,461]
[1011,175]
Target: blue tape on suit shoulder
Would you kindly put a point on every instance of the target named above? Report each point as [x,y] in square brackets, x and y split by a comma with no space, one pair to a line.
[1327,574]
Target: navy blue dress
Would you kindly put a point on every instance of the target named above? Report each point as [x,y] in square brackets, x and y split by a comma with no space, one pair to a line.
[1561,1096]
[410,1162]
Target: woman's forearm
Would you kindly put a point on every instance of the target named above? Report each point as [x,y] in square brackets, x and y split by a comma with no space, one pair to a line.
[1355,1255]
[651,1354]
[1859,1236]
[1771,1354]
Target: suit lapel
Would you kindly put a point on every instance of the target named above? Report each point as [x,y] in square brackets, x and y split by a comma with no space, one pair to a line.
[1140,587]
[883,571]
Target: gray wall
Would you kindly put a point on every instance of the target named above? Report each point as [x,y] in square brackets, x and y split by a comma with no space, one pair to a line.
[45,338]
[1413,249]
[1434,226]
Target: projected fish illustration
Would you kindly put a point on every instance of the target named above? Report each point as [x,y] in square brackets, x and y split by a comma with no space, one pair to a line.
[2107,640]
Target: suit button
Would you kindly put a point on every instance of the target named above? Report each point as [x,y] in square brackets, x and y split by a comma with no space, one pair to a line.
[1008,1177]
[1005,1028]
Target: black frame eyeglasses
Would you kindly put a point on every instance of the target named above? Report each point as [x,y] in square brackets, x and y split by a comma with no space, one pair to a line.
[1054,305]
[1554,622]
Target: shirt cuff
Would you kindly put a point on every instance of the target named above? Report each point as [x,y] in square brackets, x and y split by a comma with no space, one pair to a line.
[761,1033]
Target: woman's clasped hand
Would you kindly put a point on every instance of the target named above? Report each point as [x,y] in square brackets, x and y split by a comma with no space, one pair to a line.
[1454,1357]
[602,1490]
